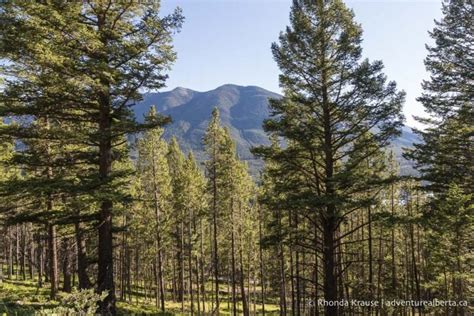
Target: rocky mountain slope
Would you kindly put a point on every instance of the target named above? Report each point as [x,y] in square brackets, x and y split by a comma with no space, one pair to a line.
[242,109]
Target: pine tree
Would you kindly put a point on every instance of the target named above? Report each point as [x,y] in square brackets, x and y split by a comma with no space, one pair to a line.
[176,162]
[6,173]
[450,223]
[195,203]
[221,155]
[446,154]
[331,100]
[155,195]
[95,59]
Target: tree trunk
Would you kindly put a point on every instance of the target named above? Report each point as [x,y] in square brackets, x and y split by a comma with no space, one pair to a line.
[371,272]
[190,262]
[10,253]
[283,307]
[105,278]
[201,266]
[234,301]
[31,261]
[394,266]
[23,253]
[159,255]
[245,307]
[53,258]
[297,271]
[260,250]
[215,254]
[67,287]
[330,284]
[84,282]
[17,251]
[181,260]
[40,254]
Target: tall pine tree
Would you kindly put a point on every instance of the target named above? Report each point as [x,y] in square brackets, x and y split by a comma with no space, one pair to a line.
[446,154]
[98,56]
[445,157]
[332,99]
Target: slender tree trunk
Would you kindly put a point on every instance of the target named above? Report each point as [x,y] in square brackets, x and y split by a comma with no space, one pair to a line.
[67,286]
[198,286]
[371,272]
[190,262]
[245,308]
[215,256]
[1,268]
[234,301]
[158,242]
[292,274]
[181,265]
[122,269]
[129,273]
[17,251]
[46,258]
[283,306]
[31,261]
[160,278]
[379,270]
[413,259]
[23,253]
[174,283]
[10,253]
[40,254]
[315,306]
[201,266]
[157,288]
[84,282]
[53,259]
[137,270]
[297,271]
[330,281]
[260,250]
[394,266]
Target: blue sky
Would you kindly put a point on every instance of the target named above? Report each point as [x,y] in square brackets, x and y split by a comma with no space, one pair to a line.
[228,41]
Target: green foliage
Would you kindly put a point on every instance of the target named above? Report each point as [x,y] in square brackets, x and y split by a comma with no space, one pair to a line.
[333,101]
[444,158]
[450,223]
[83,302]
[445,155]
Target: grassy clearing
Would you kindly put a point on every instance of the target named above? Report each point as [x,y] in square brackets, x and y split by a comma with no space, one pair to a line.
[25,298]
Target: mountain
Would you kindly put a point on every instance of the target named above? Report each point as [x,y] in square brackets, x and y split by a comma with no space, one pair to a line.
[242,110]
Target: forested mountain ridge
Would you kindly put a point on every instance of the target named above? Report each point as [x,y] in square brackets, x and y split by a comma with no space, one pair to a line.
[242,109]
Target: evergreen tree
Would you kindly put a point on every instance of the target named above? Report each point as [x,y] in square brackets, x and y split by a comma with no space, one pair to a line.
[154,193]
[221,156]
[6,173]
[176,162]
[446,154]
[195,204]
[96,58]
[332,99]
[450,223]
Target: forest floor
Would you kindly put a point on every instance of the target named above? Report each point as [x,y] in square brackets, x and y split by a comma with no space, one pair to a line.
[26,298]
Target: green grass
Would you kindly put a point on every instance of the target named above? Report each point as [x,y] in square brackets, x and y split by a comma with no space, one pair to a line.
[25,298]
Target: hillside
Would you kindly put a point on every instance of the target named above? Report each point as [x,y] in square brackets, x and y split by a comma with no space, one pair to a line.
[242,109]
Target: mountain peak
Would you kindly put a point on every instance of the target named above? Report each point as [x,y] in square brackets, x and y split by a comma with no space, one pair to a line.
[243,109]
